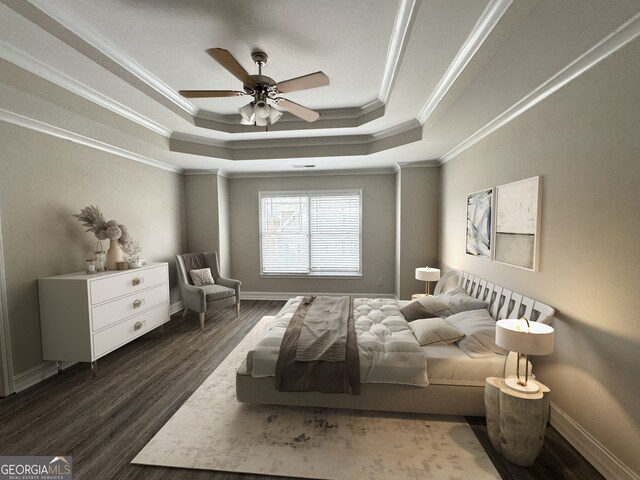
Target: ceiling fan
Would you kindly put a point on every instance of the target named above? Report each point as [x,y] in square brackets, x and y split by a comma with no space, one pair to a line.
[265,90]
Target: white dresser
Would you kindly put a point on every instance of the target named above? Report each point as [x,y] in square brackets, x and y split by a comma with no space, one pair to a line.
[85,316]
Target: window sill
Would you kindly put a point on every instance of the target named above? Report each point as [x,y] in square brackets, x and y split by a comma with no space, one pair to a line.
[313,275]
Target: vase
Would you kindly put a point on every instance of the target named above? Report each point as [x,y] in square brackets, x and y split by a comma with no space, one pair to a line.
[114,255]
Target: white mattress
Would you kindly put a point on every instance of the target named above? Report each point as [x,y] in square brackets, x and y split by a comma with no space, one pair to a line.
[445,364]
[448,365]
[388,350]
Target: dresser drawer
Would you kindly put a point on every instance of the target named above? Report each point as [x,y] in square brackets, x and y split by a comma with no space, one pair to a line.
[115,286]
[111,338]
[112,312]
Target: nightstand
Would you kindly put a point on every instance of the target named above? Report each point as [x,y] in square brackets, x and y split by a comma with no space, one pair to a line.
[516,421]
[416,296]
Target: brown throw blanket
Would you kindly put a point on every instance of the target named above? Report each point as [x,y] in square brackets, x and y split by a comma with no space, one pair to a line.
[319,350]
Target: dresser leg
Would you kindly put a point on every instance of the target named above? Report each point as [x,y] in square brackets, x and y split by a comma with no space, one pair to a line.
[59,367]
[162,330]
[94,369]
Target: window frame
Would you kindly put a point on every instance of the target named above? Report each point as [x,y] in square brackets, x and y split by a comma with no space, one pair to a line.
[309,194]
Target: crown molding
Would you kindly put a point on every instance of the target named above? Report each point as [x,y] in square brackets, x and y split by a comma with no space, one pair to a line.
[313,173]
[407,126]
[79,36]
[36,67]
[190,171]
[481,30]
[305,147]
[402,26]
[420,164]
[359,139]
[38,126]
[613,42]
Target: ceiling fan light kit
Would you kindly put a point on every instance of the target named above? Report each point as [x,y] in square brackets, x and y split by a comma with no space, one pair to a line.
[261,111]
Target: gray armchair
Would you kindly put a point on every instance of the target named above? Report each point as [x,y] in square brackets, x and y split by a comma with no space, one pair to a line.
[223,293]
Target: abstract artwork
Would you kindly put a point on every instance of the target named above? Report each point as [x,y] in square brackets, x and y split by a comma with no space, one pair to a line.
[479,223]
[517,223]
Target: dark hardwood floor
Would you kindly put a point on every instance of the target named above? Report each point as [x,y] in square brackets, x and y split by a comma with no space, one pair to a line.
[104,422]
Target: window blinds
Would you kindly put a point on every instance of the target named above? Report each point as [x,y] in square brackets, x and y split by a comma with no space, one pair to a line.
[310,232]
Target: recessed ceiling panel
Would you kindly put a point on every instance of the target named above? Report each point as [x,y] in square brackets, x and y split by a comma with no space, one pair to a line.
[346,40]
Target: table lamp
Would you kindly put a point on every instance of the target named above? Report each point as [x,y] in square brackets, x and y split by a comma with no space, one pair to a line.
[427,274]
[524,337]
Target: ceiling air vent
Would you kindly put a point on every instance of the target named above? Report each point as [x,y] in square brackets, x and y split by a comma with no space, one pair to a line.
[310,165]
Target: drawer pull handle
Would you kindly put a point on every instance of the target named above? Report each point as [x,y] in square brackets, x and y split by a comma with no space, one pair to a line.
[135,281]
[137,303]
[137,326]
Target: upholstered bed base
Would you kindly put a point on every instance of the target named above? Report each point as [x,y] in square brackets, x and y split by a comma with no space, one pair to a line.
[436,399]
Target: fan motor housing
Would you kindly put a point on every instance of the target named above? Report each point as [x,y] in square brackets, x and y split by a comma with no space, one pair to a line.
[260,83]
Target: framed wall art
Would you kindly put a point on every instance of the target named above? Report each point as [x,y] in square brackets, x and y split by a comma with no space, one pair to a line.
[517,229]
[479,223]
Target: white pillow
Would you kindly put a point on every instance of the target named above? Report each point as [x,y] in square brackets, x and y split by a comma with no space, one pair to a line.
[452,302]
[435,331]
[201,277]
[479,333]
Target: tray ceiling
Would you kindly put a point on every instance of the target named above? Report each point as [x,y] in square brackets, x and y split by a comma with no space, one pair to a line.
[411,80]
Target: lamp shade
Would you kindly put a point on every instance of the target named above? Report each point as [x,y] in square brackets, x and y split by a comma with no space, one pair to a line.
[533,339]
[259,113]
[427,274]
[248,116]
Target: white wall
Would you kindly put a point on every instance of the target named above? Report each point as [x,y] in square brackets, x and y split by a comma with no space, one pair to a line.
[378,235]
[417,226]
[201,199]
[584,140]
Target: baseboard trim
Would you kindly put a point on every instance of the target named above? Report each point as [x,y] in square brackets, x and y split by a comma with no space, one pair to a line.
[176,307]
[610,466]
[34,375]
[288,295]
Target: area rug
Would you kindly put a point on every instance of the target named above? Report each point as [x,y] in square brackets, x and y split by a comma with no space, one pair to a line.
[212,431]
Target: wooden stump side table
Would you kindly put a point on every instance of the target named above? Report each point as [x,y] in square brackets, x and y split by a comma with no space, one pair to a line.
[516,421]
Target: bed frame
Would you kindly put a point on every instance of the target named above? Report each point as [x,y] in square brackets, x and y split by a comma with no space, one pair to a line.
[435,399]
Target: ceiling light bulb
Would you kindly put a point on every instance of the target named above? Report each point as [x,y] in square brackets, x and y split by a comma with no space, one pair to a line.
[262,110]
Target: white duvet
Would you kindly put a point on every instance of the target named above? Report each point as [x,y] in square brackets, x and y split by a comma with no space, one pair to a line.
[388,349]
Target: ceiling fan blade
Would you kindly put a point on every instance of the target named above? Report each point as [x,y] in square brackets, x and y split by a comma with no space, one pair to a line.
[298,110]
[313,80]
[210,93]
[228,61]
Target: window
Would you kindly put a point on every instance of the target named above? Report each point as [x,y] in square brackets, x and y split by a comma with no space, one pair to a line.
[310,233]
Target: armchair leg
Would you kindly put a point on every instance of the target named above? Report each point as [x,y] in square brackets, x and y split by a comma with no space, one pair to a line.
[238,310]
[184,312]
[202,321]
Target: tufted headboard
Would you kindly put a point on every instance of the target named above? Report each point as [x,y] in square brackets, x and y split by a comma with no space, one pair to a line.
[503,303]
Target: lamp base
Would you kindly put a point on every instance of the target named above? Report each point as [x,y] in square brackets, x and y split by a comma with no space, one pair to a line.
[514,384]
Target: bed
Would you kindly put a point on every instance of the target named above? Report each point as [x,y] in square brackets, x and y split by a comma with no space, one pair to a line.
[450,381]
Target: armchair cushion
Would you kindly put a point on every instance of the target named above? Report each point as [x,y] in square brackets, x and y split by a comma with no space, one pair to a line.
[216,292]
[201,277]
